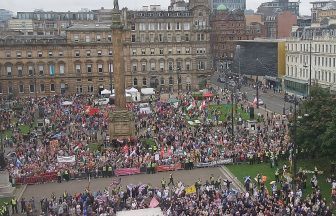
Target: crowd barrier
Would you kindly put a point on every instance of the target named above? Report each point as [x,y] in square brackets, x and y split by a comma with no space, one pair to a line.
[50,177]
[127,171]
[172,167]
[43,178]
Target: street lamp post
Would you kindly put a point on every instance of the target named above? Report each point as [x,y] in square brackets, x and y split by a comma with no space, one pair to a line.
[233,85]
[232,118]
[294,152]
[310,68]
[257,89]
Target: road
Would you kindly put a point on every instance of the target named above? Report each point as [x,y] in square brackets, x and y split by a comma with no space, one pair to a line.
[274,101]
[188,177]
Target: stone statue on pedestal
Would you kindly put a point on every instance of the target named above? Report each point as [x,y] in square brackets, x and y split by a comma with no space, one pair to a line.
[116,5]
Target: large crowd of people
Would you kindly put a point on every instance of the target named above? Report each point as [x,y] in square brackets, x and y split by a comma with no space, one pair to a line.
[70,129]
[212,197]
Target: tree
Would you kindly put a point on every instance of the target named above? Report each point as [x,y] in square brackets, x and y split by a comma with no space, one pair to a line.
[315,130]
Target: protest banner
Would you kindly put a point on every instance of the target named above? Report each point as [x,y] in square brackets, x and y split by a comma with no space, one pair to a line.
[66,159]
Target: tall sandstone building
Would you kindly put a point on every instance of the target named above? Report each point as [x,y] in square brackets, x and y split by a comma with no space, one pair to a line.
[165,49]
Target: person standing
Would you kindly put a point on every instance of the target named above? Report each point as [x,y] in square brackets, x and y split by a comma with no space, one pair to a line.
[171,179]
[23,205]
[163,183]
[14,206]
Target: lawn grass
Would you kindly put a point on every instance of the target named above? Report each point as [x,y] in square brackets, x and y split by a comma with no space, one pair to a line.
[149,142]
[93,147]
[4,200]
[225,111]
[242,170]
[25,129]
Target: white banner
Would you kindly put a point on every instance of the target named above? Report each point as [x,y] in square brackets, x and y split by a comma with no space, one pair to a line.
[64,159]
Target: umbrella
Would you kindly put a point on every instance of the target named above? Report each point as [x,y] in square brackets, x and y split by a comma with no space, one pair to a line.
[208,94]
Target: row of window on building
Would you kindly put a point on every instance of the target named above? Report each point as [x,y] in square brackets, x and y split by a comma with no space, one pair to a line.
[77,53]
[152,38]
[169,51]
[88,38]
[323,75]
[52,87]
[315,48]
[152,66]
[51,69]
[161,26]
[317,60]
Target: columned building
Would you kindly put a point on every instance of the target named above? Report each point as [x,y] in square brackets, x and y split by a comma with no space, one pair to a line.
[167,50]
[53,65]
[322,53]
[170,50]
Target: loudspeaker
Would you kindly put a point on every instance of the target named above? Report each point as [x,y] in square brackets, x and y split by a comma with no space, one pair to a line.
[251,111]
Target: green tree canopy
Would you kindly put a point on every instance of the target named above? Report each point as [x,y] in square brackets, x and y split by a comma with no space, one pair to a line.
[316,130]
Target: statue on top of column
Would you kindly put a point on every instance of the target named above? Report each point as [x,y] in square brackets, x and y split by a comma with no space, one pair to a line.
[116,5]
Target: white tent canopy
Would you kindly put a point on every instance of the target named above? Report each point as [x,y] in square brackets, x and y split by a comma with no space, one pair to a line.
[126,94]
[141,212]
[66,103]
[147,91]
[105,92]
[132,90]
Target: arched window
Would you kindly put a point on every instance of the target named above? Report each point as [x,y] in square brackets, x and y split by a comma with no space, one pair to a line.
[144,82]
[135,81]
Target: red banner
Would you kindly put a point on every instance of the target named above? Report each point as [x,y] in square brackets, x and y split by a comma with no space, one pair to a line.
[171,167]
[43,178]
[127,171]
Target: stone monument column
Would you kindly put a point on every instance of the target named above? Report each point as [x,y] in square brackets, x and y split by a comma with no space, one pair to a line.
[118,68]
[121,121]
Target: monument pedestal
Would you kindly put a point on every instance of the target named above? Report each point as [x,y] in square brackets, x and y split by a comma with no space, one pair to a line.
[121,124]
[252,126]
[6,189]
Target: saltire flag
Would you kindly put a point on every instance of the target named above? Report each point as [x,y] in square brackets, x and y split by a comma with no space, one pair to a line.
[18,163]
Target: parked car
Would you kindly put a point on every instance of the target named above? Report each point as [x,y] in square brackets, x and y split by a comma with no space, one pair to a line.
[260,102]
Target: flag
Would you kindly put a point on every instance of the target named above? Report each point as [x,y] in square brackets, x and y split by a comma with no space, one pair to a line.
[203,105]
[255,101]
[191,189]
[18,163]
[76,148]
[125,149]
[115,182]
[153,203]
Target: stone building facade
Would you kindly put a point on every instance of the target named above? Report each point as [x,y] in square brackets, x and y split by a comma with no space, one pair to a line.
[170,50]
[45,65]
[228,27]
[167,50]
